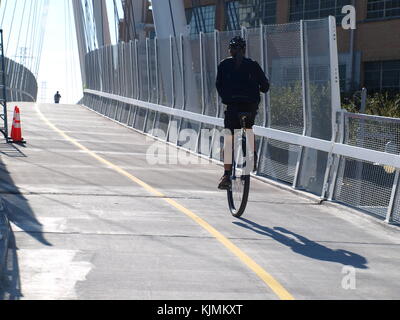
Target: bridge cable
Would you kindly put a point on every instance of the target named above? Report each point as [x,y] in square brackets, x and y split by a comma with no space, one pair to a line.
[4,12]
[11,27]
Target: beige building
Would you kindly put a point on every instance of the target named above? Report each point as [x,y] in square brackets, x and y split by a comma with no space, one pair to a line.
[368,56]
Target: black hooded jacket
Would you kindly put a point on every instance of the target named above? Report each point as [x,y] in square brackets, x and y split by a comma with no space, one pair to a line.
[242,85]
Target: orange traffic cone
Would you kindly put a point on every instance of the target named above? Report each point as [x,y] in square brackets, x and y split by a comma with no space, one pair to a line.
[16,131]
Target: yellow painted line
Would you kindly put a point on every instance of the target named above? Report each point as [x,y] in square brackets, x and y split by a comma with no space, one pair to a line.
[269,280]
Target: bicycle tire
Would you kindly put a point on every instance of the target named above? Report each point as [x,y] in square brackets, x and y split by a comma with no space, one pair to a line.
[238,208]
[238,193]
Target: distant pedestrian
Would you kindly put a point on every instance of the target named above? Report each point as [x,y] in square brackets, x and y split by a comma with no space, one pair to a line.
[57,97]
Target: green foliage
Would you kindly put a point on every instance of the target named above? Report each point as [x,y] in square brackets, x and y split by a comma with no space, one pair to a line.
[379,104]
[287,109]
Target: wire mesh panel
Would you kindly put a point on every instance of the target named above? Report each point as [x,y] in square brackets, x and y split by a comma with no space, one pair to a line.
[150,121]
[210,73]
[165,72]
[125,113]
[131,116]
[278,160]
[161,124]
[364,185]
[254,52]
[129,70]
[153,71]
[312,170]
[121,88]
[177,72]
[375,133]
[140,118]
[218,144]
[306,75]
[284,63]
[115,74]
[143,75]
[192,71]
[134,84]
[206,139]
[174,126]
[318,98]
[188,134]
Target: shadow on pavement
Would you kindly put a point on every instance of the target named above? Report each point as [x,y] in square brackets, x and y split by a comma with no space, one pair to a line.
[305,246]
[18,212]
[10,285]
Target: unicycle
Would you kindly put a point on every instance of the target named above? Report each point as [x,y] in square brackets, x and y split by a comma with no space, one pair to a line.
[238,194]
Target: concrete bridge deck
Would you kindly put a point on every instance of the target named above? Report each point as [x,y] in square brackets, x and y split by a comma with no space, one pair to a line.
[91,219]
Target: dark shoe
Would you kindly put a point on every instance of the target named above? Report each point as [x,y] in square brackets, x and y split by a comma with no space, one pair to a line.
[225,183]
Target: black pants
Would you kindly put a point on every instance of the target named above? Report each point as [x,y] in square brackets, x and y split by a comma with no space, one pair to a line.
[232,120]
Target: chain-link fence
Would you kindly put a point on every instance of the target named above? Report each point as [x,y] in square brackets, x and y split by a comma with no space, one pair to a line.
[303,137]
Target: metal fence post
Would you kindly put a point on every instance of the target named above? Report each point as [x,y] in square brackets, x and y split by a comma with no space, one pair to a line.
[201,37]
[203,98]
[155,70]
[182,71]
[303,75]
[157,66]
[393,197]
[217,99]
[264,65]
[148,69]
[137,70]
[336,161]
[129,79]
[148,83]
[171,51]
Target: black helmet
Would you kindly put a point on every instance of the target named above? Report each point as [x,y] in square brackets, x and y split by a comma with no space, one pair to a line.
[237,42]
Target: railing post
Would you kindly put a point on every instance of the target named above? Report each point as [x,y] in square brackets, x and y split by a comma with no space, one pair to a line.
[303,75]
[112,77]
[203,97]
[129,80]
[217,99]
[125,69]
[148,83]
[148,69]
[264,65]
[156,79]
[157,75]
[393,196]
[336,162]
[136,49]
[203,103]
[182,71]
[171,50]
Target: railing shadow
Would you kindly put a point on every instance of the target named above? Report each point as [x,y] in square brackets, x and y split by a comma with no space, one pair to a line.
[18,212]
[306,247]
[11,151]
[10,285]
